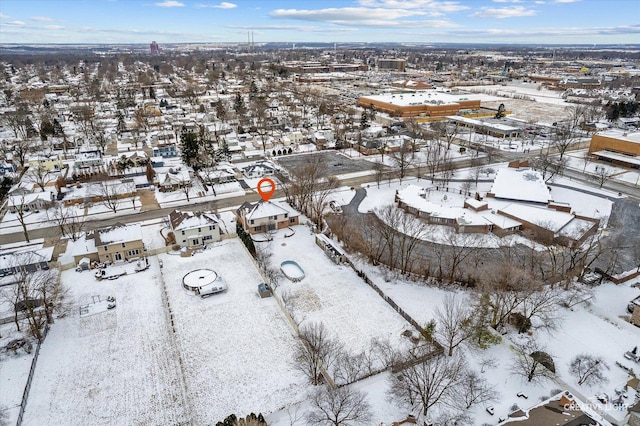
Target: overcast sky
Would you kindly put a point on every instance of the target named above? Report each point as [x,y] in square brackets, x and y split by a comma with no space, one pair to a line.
[299,21]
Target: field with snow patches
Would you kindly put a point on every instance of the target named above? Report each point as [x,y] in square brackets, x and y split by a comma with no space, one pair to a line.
[113,367]
[236,348]
[334,295]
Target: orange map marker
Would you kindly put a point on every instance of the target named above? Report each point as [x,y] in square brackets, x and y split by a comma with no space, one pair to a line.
[266,194]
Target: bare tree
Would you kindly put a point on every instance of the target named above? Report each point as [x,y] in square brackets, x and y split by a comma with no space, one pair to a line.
[602,175]
[308,189]
[18,205]
[588,369]
[40,176]
[341,406]
[541,306]
[533,362]
[459,248]
[563,137]
[317,351]
[402,159]
[446,131]
[548,165]
[41,292]
[85,117]
[453,322]
[109,193]
[477,390]
[435,383]
[69,220]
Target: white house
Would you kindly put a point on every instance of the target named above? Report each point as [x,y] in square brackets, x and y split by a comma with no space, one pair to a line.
[174,180]
[194,229]
[258,170]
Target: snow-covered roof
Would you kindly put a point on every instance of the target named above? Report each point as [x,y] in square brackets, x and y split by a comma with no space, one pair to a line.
[414,196]
[20,200]
[552,220]
[24,257]
[119,234]
[266,209]
[419,98]
[621,135]
[187,220]
[618,157]
[521,185]
[576,228]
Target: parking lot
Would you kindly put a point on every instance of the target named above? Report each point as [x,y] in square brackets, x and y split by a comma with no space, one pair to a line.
[334,162]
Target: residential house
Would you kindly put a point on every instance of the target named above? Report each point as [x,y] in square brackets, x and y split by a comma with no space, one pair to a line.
[165,150]
[194,229]
[174,180]
[259,169]
[49,163]
[265,216]
[28,259]
[7,167]
[87,161]
[31,201]
[116,243]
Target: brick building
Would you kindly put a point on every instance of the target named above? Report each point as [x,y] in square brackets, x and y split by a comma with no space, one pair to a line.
[616,146]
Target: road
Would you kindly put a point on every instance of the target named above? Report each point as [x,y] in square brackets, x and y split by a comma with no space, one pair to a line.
[222,204]
[226,203]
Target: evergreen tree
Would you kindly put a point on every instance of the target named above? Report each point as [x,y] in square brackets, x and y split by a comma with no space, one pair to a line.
[190,148]
[238,106]
[364,120]
[57,128]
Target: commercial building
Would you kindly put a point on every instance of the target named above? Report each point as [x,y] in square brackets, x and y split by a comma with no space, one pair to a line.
[428,103]
[616,146]
[391,64]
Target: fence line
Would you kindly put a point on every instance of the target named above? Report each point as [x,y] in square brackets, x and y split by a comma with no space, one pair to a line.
[174,341]
[27,387]
[286,313]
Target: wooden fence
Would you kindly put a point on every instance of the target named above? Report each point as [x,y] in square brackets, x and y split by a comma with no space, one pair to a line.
[27,387]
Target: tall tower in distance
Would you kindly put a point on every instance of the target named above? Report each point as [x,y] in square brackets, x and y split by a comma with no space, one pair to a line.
[154,48]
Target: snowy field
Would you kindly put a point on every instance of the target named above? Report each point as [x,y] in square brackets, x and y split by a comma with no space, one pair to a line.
[236,348]
[334,295]
[114,367]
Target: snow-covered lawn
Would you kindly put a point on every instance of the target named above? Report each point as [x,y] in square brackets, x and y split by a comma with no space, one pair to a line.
[14,371]
[333,294]
[236,348]
[114,367]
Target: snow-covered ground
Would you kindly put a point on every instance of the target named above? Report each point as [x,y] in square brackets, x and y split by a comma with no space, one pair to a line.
[114,367]
[236,348]
[333,294]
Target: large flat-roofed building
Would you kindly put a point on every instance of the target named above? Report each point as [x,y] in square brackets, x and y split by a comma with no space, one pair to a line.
[616,146]
[391,64]
[427,103]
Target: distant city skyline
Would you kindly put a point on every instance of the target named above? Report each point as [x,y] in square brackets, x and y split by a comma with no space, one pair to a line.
[299,22]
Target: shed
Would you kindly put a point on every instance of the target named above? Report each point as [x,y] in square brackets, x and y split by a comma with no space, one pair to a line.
[84,264]
[264,290]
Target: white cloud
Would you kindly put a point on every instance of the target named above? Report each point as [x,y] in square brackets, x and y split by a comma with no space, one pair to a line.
[567,1]
[41,19]
[535,33]
[3,16]
[431,7]
[300,28]
[53,27]
[15,24]
[169,3]
[507,1]
[504,12]
[225,5]
[350,16]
